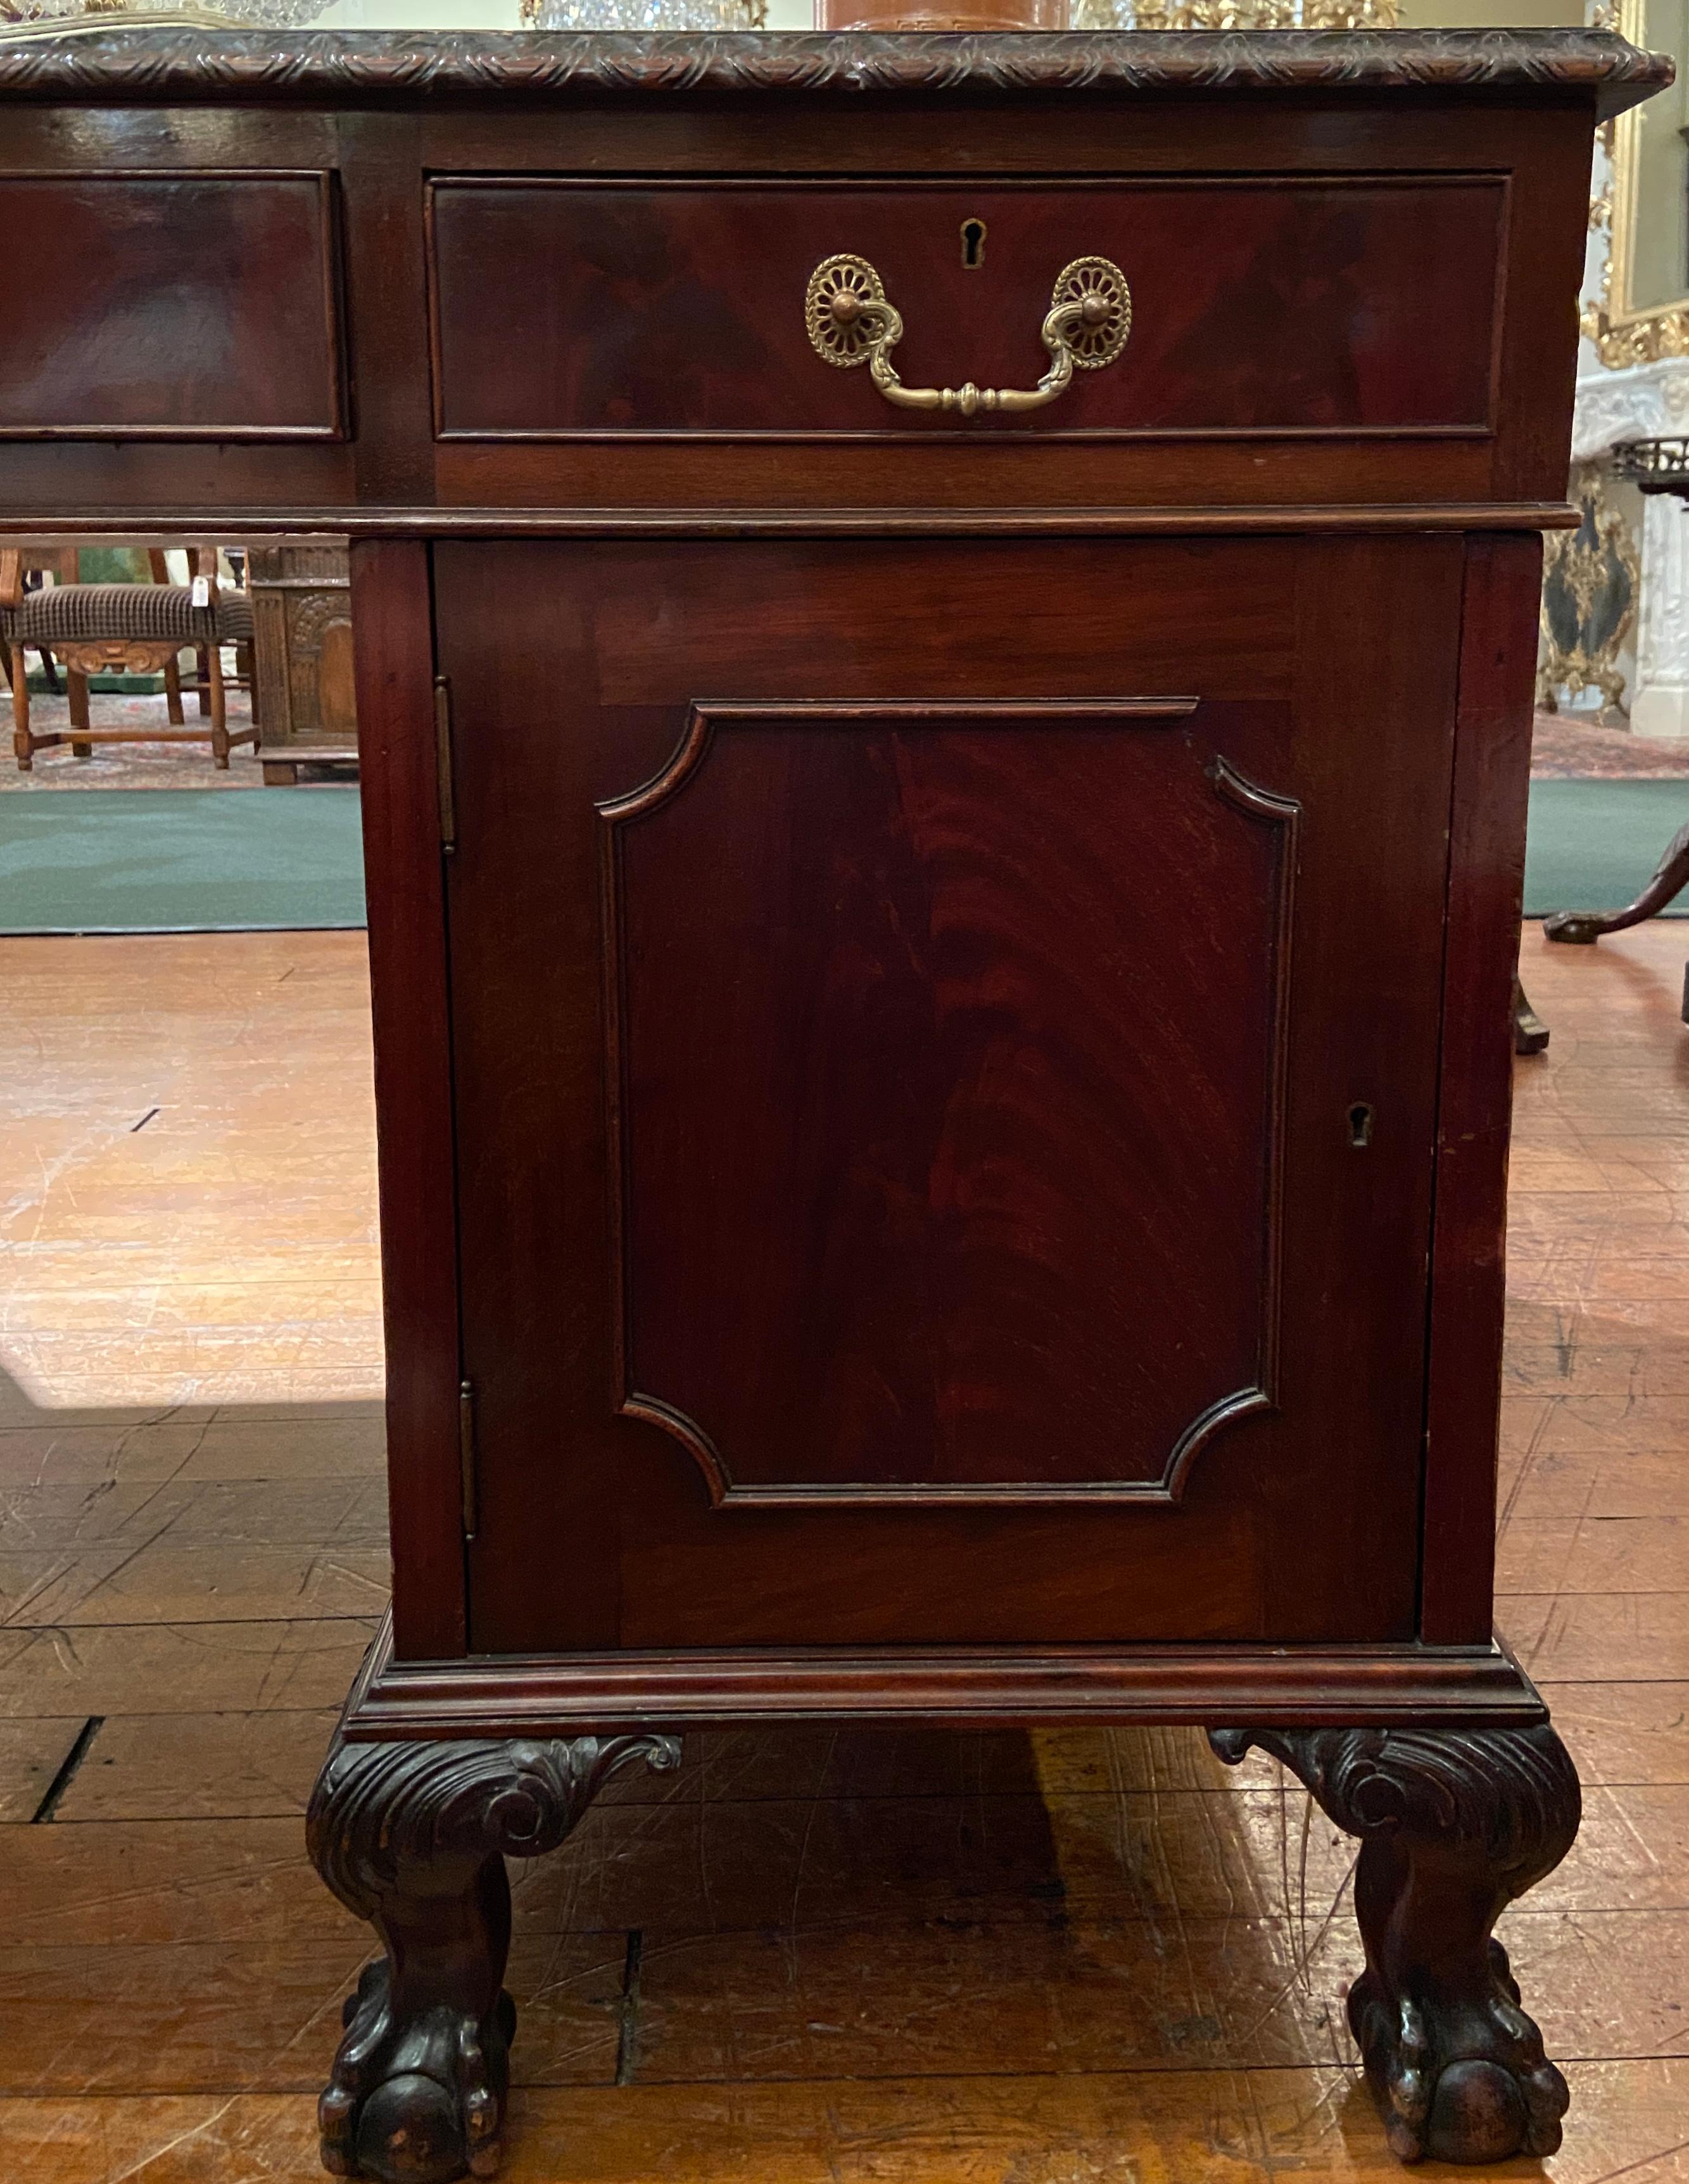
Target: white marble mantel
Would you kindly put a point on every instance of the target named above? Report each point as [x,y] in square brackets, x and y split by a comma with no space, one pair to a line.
[1647,402]
[1644,401]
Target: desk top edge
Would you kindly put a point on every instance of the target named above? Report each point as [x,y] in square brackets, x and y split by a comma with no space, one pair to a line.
[188,62]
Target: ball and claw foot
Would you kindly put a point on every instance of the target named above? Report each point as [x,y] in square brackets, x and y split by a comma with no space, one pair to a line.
[417,2103]
[413,1838]
[1462,2083]
[1454,1824]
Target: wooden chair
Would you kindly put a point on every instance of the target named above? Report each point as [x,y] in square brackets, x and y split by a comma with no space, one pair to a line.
[139,627]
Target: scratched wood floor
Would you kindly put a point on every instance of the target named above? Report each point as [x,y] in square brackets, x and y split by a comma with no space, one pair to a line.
[998,1959]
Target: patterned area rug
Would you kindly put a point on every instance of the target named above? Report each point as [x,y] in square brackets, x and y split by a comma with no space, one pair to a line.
[1564,747]
[140,765]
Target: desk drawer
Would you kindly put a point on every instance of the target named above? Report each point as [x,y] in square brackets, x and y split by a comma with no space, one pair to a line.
[1353,305]
[172,306]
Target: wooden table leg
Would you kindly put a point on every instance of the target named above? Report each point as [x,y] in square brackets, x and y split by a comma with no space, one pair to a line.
[1582,929]
[1529,1033]
[1454,1824]
[414,1838]
[77,684]
[22,743]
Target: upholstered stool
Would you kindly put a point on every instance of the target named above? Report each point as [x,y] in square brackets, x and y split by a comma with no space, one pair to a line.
[138,627]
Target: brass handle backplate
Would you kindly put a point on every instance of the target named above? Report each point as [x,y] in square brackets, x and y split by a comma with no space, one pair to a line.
[851,322]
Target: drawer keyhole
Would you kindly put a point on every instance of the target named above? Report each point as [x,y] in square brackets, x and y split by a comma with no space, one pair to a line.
[1360,1126]
[973,244]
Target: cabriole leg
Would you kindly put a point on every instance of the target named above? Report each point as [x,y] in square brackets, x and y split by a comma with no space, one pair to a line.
[413,1838]
[1453,1824]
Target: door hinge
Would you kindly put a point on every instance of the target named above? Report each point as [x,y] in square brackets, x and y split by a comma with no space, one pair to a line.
[442,760]
[466,1454]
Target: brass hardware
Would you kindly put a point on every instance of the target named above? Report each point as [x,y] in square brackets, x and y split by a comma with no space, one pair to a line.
[466,1454]
[973,244]
[443,762]
[851,322]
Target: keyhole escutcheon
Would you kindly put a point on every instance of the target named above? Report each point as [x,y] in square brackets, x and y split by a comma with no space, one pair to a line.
[1360,1126]
[973,244]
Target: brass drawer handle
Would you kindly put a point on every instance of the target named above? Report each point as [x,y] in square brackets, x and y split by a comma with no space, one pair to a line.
[850,322]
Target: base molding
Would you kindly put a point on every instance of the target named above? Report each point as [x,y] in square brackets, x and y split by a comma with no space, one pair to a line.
[959,1687]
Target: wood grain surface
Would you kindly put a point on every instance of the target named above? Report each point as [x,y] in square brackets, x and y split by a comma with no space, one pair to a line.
[176,306]
[1104,1948]
[936,1243]
[809,924]
[1280,256]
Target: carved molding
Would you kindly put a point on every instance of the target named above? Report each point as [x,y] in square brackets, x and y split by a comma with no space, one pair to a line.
[1282,813]
[1663,626]
[99,655]
[370,67]
[1261,806]
[378,1808]
[1646,402]
[1514,1790]
[311,616]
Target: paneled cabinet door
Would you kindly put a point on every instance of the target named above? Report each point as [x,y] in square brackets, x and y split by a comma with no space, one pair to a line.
[944,1082]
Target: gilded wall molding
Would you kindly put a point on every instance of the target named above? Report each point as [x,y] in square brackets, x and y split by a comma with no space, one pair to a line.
[1592,579]
[1623,333]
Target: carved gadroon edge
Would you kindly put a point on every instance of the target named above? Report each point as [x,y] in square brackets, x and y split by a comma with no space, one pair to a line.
[1454,1824]
[191,63]
[378,1808]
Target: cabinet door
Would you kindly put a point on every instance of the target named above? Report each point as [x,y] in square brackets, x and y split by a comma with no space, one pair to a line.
[944,1048]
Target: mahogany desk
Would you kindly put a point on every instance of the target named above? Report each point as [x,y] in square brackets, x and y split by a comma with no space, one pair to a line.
[945,633]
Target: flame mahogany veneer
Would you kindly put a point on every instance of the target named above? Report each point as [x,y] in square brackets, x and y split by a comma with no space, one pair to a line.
[941,981]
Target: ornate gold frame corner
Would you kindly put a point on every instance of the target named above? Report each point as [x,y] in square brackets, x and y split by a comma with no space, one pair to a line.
[1622,334]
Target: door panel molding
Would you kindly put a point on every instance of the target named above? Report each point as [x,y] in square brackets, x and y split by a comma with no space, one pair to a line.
[634,1396]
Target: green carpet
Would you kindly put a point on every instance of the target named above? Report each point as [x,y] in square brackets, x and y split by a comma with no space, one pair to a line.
[1593,844]
[221,861]
[179,861]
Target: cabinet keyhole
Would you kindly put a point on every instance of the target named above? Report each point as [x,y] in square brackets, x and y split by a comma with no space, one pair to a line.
[1360,1126]
[973,244]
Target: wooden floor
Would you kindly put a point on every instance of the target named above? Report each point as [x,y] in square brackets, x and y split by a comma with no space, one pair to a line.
[1063,1959]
